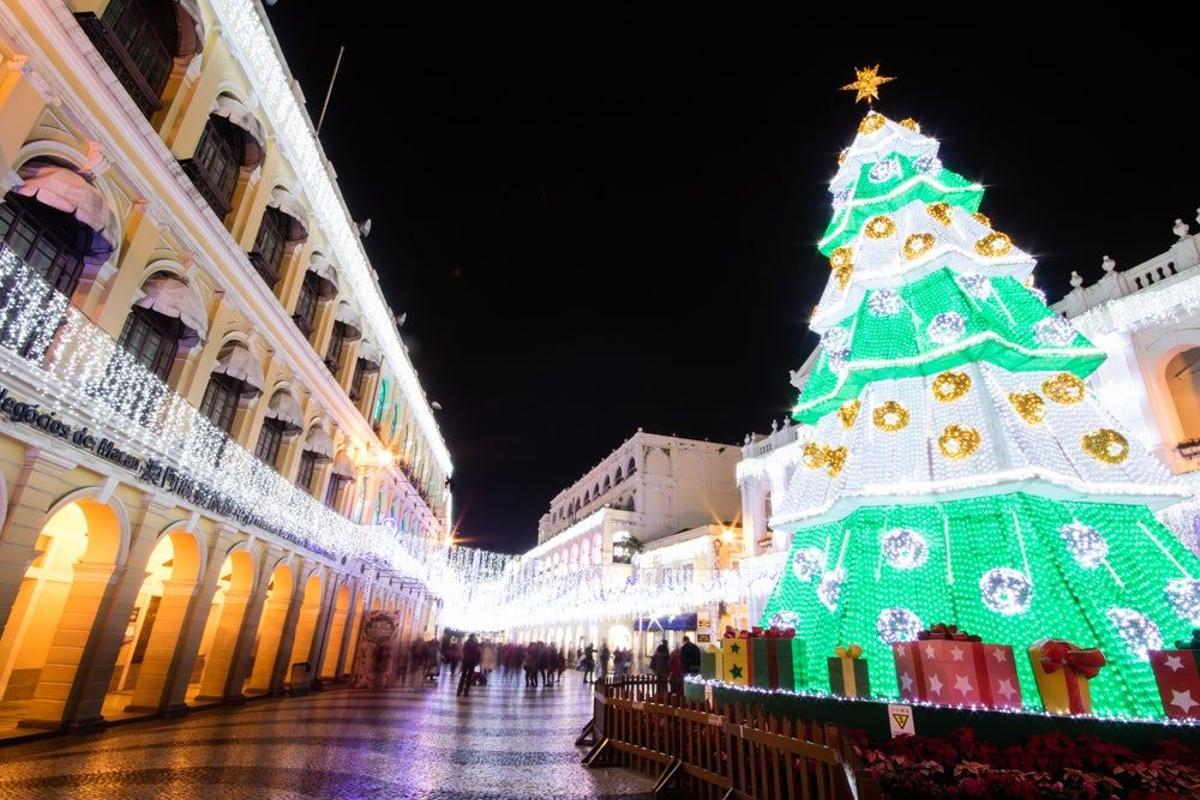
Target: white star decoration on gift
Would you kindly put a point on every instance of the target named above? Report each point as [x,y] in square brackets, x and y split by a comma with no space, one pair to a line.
[1183,700]
[957,652]
[935,685]
[906,681]
[963,684]
[929,652]
[1005,689]
[1173,662]
[999,655]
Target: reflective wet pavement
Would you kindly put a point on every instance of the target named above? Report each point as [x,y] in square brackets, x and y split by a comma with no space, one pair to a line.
[504,741]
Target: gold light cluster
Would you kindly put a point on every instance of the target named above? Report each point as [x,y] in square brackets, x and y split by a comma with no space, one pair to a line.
[949,386]
[917,245]
[1029,405]
[891,416]
[982,219]
[958,441]
[940,212]
[880,227]
[849,412]
[1064,388]
[1105,444]
[911,124]
[994,245]
[871,123]
[841,261]
[821,456]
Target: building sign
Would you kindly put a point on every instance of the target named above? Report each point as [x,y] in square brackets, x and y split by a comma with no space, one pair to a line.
[147,470]
[678,622]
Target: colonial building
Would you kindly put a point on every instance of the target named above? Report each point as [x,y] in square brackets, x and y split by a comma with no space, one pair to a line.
[651,493]
[214,451]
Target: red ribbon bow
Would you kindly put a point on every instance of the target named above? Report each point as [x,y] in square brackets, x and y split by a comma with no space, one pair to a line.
[949,632]
[1057,654]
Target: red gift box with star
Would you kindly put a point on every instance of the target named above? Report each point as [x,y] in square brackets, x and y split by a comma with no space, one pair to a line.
[1177,673]
[949,666]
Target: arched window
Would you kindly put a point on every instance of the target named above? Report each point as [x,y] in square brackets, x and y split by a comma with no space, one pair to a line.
[607,483]
[632,468]
[345,329]
[167,317]
[620,477]
[318,449]
[587,497]
[236,375]
[232,141]
[282,419]
[341,476]
[319,284]
[142,41]
[55,221]
[284,223]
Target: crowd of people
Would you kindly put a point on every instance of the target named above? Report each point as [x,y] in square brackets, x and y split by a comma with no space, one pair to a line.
[471,662]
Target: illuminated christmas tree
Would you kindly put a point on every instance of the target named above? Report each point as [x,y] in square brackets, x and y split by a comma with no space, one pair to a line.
[952,464]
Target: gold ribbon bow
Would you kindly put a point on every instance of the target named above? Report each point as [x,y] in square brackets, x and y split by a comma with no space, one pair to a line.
[850,651]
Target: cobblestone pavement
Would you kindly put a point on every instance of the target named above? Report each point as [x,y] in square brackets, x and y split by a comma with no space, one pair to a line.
[504,741]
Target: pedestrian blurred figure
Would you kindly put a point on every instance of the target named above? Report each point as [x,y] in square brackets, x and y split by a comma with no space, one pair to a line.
[490,658]
[453,655]
[545,656]
[660,665]
[589,663]
[691,657]
[604,656]
[531,659]
[379,660]
[471,654]
[433,660]
[676,665]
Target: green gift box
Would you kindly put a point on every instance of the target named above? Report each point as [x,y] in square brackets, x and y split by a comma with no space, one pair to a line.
[710,661]
[772,661]
[848,676]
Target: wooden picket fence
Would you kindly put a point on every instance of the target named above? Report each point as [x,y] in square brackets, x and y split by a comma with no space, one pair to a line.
[695,750]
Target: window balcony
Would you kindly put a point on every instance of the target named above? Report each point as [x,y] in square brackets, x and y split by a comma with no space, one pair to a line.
[115,55]
[216,199]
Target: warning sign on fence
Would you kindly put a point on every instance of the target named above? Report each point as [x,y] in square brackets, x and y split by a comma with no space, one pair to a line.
[900,717]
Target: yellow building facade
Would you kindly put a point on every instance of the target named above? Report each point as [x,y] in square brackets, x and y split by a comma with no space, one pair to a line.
[215,455]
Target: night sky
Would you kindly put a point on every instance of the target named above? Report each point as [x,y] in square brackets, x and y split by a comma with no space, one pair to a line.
[602,226]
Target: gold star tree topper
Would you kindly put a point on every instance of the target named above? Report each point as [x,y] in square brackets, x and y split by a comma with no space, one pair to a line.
[866,83]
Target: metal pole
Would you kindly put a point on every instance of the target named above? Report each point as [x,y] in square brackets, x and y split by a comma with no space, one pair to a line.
[329,91]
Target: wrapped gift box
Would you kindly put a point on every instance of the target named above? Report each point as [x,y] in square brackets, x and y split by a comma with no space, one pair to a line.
[710,662]
[848,673]
[1177,673]
[949,666]
[736,665]
[1063,671]
[772,659]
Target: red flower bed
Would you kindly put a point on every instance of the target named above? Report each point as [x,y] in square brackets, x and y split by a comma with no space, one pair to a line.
[1044,766]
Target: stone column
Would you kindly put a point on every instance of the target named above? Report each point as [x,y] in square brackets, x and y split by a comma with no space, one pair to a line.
[84,651]
[41,481]
[321,629]
[275,638]
[187,643]
[286,621]
[247,633]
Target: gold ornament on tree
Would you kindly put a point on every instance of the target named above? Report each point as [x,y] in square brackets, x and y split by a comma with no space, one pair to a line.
[1064,388]
[940,212]
[982,219]
[841,261]
[890,416]
[958,441]
[908,123]
[849,412]
[917,245]
[994,245]
[949,386]
[1106,445]
[871,123]
[1029,405]
[880,227]
[820,456]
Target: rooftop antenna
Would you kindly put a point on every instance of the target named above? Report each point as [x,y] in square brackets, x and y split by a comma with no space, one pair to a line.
[329,91]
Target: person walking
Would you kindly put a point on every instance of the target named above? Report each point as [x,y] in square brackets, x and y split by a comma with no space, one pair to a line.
[530,664]
[660,665]
[691,657]
[604,657]
[453,655]
[676,665]
[471,654]
[589,663]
